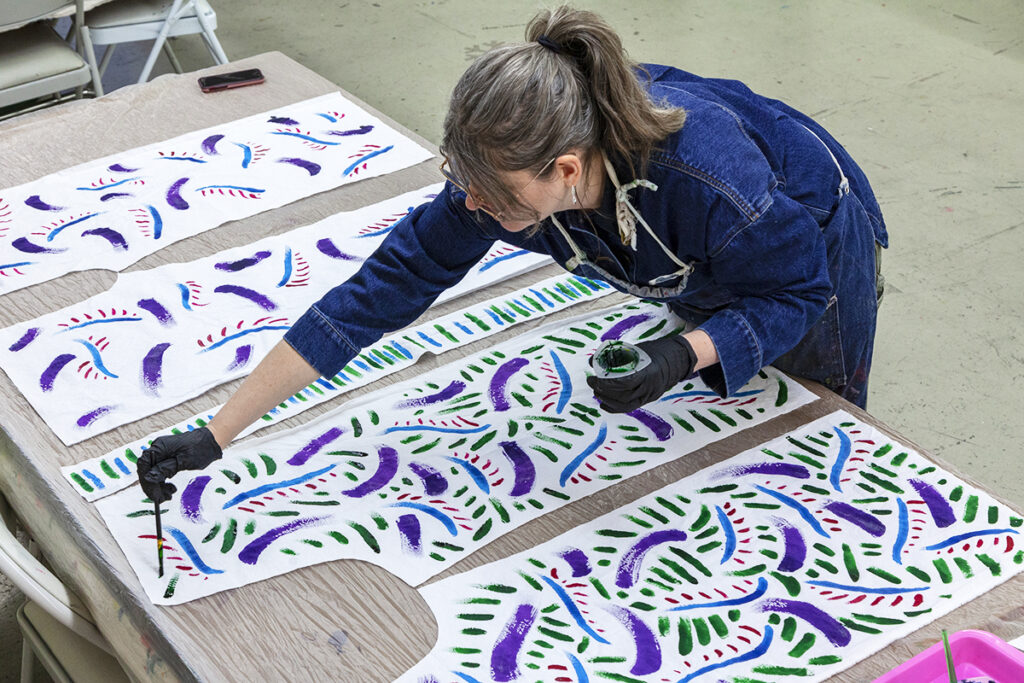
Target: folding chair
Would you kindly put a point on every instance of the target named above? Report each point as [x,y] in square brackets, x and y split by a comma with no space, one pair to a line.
[34,60]
[56,628]
[126,21]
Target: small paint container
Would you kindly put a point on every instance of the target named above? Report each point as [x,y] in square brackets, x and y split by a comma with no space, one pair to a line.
[616,358]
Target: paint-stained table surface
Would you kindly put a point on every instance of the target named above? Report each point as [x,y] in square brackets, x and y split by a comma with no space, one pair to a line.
[341,621]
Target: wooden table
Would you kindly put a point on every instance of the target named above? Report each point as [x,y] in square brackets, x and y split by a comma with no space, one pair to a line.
[289,627]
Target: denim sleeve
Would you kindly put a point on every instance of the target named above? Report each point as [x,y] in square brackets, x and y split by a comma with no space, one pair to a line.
[427,252]
[778,268]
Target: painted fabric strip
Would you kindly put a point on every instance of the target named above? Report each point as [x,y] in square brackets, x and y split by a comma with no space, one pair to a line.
[794,560]
[115,470]
[111,212]
[421,473]
[161,336]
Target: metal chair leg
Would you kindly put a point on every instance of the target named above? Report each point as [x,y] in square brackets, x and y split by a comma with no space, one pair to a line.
[211,39]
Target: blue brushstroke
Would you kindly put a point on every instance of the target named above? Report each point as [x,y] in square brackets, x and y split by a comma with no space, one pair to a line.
[97,360]
[730,534]
[578,460]
[543,299]
[225,340]
[365,158]
[246,154]
[687,394]
[328,117]
[266,488]
[325,384]
[863,589]
[465,677]
[402,349]
[57,231]
[495,317]
[107,187]
[563,377]
[844,455]
[953,540]
[761,589]
[574,611]
[16,265]
[229,187]
[121,466]
[577,666]
[758,651]
[474,473]
[104,320]
[304,137]
[190,550]
[901,533]
[185,296]
[489,264]
[463,328]
[287,267]
[449,524]
[96,481]
[195,161]
[444,430]
[158,222]
[796,505]
[427,339]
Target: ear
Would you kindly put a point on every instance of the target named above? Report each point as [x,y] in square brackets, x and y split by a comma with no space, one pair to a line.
[569,168]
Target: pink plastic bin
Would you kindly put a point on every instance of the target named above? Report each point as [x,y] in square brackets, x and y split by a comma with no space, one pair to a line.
[976,654]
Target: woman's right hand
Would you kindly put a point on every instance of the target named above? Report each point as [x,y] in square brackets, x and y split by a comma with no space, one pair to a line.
[168,455]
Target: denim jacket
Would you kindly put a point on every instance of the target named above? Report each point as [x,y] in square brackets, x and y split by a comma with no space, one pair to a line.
[745,192]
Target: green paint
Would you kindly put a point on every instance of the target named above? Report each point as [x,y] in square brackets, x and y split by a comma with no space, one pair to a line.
[229,536]
[884,575]
[964,567]
[992,565]
[783,395]
[171,585]
[700,629]
[704,421]
[720,628]
[703,518]
[805,644]
[878,481]
[775,670]
[599,587]
[697,564]
[944,573]
[788,629]
[918,573]
[679,569]
[212,534]
[108,470]
[250,467]
[723,417]
[250,527]
[971,509]
[854,626]
[825,659]
[235,479]
[269,464]
[685,643]
[426,447]
[850,560]
[484,529]
[881,621]
[790,583]
[682,423]
[367,537]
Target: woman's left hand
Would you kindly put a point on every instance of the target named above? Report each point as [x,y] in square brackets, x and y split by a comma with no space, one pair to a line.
[672,360]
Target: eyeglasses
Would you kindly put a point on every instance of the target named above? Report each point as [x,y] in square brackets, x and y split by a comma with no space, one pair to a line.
[481,202]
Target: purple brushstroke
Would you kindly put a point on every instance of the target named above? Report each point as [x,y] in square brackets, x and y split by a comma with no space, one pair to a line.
[251,553]
[242,356]
[50,373]
[506,650]
[115,238]
[662,430]
[209,145]
[174,197]
[522,466]
[939,508]
[795,552]
[118,168]
[384,474]
[115,195]
[450,391]
[774,469]
[285,120]
[310,167]
[501,378]
[152,368]
[191,497]
[632,559]
[327,248]
[251,294]
[156,309]
[25,339]
[22,244]
[361,130]
[624,325]
[241,264]
[93,415]
[36,203]
[434,483]
[577,561]
[314,446]
[648,652]
[409,527]
[836,633]
[865,520]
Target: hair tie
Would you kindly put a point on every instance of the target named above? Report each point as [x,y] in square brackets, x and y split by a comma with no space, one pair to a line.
[550,44]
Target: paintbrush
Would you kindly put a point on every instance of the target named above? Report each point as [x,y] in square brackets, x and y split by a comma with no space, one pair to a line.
[159,540]
[949,657]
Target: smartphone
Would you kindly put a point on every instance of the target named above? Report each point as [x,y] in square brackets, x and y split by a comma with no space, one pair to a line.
[234,79]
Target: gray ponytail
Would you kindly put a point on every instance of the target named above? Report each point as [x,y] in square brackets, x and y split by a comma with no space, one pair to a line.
[518,107]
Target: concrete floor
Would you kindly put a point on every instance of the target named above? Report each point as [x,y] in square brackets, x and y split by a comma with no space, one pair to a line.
[928,97]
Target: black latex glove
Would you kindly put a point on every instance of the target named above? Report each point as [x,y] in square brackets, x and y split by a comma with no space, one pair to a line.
[169,455]
[672,360]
